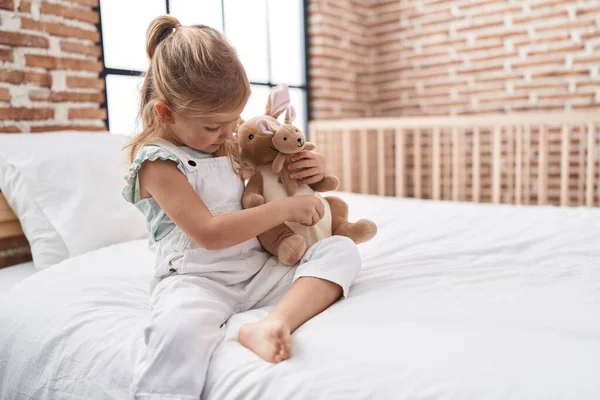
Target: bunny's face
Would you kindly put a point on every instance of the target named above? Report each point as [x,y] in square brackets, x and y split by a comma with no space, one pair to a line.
[288,139]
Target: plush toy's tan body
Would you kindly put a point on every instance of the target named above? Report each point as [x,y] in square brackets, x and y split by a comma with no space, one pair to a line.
[274,190]
[265,148]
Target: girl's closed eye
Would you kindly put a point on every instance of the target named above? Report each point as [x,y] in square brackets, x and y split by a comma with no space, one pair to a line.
[212,129]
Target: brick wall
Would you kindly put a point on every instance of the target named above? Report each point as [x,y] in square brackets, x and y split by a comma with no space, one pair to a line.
[49,66]
[440,57]
[341,54]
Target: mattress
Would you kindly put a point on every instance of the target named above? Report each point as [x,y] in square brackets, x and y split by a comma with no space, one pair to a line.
[9,276]
[453,301]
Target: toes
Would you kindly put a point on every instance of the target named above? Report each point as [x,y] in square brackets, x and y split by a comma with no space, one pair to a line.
[287,350]
[279,356]
[282,348]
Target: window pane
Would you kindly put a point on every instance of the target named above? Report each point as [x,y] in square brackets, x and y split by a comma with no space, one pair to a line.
[286,33]
[204,12]
[298,98]
[257,102]
[123,98]
[124,25]
[246,29]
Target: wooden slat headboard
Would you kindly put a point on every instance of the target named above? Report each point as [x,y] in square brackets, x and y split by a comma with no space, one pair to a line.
[535,159]
[14,247]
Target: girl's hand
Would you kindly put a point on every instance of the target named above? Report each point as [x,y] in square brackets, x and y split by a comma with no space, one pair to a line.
[306,210]
[307,167]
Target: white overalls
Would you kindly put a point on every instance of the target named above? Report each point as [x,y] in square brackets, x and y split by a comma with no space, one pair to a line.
[197,290]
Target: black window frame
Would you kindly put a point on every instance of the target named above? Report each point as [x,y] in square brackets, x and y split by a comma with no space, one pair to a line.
[129,72]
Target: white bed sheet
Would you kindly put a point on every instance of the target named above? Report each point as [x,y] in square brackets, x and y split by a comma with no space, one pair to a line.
[9,276]
[453,301]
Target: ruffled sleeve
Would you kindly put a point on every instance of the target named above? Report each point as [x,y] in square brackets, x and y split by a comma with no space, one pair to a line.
[131,192]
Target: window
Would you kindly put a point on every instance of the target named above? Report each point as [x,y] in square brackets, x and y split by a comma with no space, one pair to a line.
[269,36]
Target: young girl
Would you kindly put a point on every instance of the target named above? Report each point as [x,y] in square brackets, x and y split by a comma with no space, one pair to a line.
[209,264]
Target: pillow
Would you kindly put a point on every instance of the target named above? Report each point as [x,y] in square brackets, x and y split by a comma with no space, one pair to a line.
[65,188]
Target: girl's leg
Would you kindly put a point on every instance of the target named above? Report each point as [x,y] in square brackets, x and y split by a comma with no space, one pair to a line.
[326,272]
[187,314]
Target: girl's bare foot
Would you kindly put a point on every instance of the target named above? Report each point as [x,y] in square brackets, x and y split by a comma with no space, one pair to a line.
[269,339]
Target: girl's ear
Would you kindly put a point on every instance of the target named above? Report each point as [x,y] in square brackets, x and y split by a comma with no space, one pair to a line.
[164,113]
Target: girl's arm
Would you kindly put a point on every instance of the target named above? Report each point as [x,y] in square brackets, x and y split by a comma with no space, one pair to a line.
[172,191]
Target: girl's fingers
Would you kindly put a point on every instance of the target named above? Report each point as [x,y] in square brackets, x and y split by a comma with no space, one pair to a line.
[306,173]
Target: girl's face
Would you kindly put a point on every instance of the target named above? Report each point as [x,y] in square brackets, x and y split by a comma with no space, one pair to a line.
[205,134]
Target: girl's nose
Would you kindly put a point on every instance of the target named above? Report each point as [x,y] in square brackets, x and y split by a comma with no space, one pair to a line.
[227,133]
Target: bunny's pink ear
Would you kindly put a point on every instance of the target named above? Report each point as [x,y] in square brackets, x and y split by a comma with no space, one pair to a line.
[290,114]
[265,126]
[279,98]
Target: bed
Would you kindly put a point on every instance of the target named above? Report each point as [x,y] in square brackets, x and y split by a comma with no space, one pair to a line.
[454,300]
[9,276]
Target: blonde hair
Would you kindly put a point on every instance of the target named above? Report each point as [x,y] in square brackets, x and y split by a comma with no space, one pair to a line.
[194,72]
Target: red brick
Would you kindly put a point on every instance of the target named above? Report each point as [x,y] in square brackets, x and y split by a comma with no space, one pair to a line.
[22,113]
[498,45]
[477,4]
[481,25]
[59,29]
[557,37]
[47,95]
[568,73]
[566,26]
[567,96]
[483,89]
[10,129]
[19,77]
[505,33]
[592,84]
[590,35]
[594,60]
[588,11]
[77,13]
[595,106]
[87,113]
[91,3]
[478,68]
[51,63]
[536,62]
[426,55]
[444,43]
[6,55]
[565,49]
[55,128]
[7,4]
[25,6]
[74,47]
[485,12]
[4,94]
[549,4]
[497,78]
[23,39]
[542,85]
[489,57]
[536,17]
[85,83]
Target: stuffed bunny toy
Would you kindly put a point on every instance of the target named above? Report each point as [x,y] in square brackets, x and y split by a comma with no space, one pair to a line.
[265,148]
